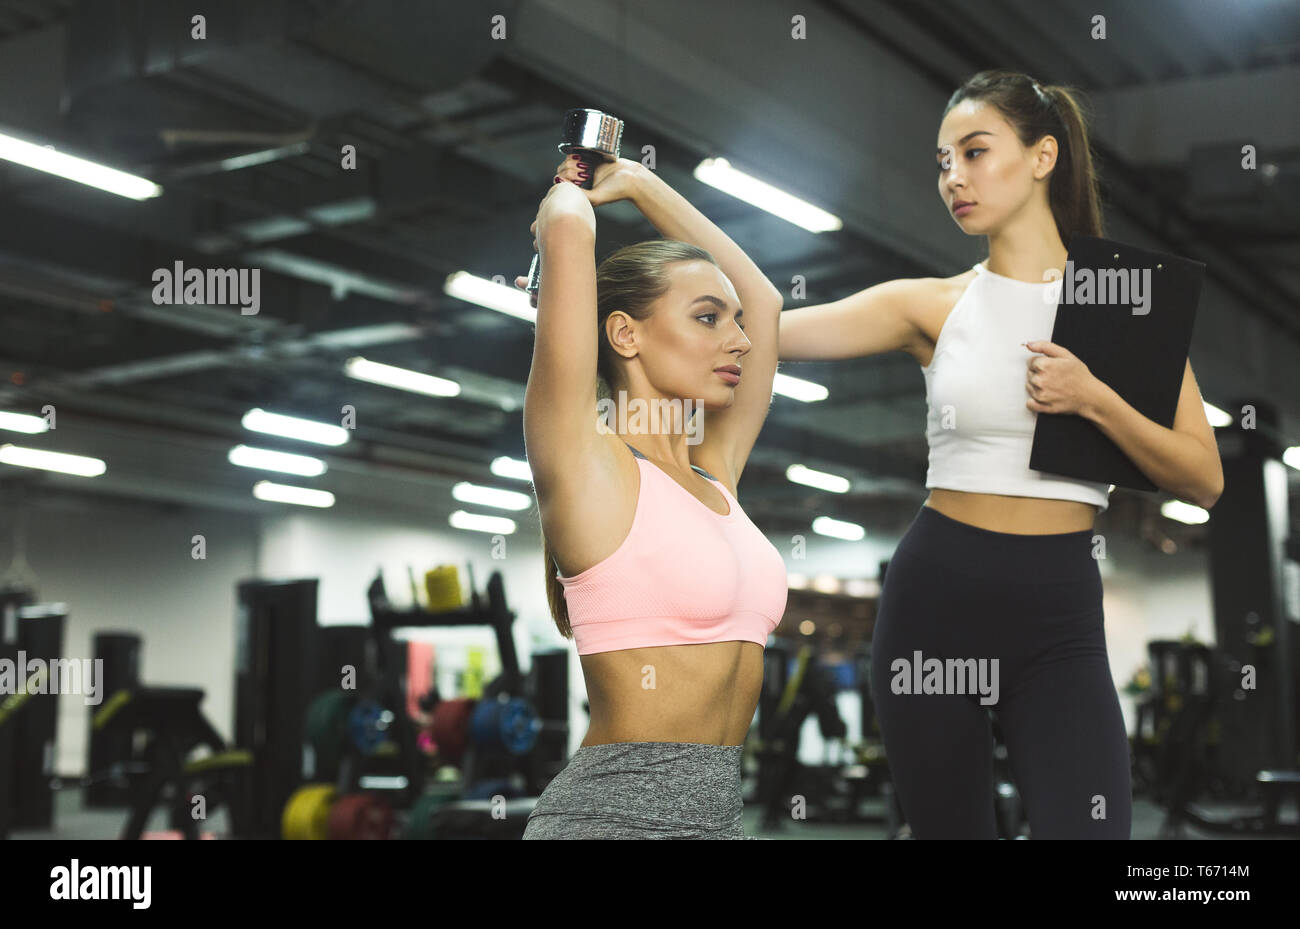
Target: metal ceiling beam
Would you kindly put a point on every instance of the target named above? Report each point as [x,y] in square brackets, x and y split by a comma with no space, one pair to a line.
[1151,125]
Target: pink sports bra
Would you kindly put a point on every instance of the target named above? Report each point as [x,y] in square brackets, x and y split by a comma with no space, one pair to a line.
[684,575]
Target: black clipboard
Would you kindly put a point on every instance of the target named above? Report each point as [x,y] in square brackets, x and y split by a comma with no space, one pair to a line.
[1140,355]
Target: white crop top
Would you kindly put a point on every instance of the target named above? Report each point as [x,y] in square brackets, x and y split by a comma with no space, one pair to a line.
[979,427]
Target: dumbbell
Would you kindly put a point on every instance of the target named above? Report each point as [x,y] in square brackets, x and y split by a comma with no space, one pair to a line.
[595,138]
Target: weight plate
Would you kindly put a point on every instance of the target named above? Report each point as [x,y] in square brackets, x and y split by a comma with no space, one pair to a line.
[327,720]
[368,724]
[306,815]
[420,825]
[505,724]
[361,816]
[451,719]
[519,727]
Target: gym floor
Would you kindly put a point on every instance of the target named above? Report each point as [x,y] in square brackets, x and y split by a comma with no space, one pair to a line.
[75,822]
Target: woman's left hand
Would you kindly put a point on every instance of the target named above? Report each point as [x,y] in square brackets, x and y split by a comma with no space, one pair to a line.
[614,180]
[1057,381]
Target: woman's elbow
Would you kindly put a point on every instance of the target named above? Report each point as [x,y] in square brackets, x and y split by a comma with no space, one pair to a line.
[773,300]
[1210,495]
[1213,496]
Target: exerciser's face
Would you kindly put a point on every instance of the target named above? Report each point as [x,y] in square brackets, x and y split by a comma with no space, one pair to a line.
[693,344]
[986,176]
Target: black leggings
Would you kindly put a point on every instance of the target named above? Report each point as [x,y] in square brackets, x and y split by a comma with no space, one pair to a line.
[955,592]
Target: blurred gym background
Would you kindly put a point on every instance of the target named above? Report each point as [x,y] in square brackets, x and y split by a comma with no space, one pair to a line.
[379,163]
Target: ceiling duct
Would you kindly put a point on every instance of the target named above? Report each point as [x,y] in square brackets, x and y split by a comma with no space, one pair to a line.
[1257,202]
[139,84]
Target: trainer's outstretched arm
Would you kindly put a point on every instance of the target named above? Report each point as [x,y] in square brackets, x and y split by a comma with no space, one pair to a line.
[878,319]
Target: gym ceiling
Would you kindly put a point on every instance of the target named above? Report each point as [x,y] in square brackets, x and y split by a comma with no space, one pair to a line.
[455,139]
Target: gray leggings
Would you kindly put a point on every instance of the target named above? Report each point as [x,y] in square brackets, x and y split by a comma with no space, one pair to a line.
[643,790]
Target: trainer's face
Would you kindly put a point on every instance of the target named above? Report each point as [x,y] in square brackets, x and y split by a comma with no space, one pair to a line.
[694,329]
[981,162]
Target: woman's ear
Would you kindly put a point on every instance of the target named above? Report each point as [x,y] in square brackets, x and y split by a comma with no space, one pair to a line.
[1045,153]
[622,337]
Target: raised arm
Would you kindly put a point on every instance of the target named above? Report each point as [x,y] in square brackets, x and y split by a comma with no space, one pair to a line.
[560,397]
[730,434]
[879,319]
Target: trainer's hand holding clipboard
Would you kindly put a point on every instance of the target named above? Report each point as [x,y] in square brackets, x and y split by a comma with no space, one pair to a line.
[1126,313]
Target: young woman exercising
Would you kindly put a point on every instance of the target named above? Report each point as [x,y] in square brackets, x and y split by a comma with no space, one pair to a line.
[668,588]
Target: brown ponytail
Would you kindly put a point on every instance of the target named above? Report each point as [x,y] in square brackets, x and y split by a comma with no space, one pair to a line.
[555,592]
[1038,110]
[629,280]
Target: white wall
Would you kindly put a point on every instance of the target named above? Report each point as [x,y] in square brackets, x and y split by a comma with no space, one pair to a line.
[127,567]
[1152,595]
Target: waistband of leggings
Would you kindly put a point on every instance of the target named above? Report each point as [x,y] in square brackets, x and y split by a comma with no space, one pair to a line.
[652,783]
[661,749]
[1057,557]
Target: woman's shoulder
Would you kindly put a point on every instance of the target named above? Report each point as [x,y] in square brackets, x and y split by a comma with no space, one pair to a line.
[938,294]
[958,282]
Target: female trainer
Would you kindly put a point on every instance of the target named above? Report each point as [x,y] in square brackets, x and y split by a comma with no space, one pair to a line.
[667,587]
[999,561]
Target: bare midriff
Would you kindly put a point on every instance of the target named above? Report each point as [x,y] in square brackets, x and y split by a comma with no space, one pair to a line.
[674,693]
[1017,515]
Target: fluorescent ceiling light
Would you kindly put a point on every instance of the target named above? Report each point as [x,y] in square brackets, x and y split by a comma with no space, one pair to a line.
[824,525]
[291,427]
[718,172]
[488,294]
[270,228]
[352,210]
[862,587]
[466,492]
[23,422]
[1217,417]
[462,520]
[283,493]
[46,159]
[798,389]
[819,479]
[826,584]
[79,465]
[1183,512]
[1292,457]
[252,159]
[248,457]
[402,378]
[506,466]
